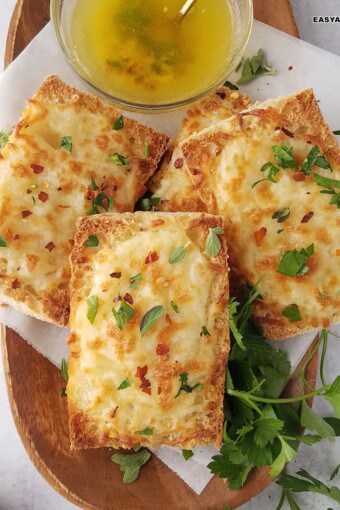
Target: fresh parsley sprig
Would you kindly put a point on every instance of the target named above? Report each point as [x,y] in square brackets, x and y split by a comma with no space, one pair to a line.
[253,67]
[130,464]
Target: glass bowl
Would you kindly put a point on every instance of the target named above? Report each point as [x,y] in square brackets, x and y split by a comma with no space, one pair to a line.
[62,12]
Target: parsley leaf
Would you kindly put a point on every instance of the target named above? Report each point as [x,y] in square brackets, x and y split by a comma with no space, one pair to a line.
[307,483]
[178,254]
[273,170]
[292,313]
[145,432]
[284,156]
[174,307]
[99,200]
[130,464]
[146,150]
[66,143]
[148,202]
[92,308]
[333,395]
[124,384]
[286,455]
[329,184]
[92,241]
[187,454]
[292,263]
[134,280]
[123,314]
[119,123]
[150,318]
[253,67]
[213,244]
[3,243]
[337,132]
[186,387]
[312,421]
[4,137]
[230,85]
[119,159]
[64,370]
[312,159]
[205,331]
[281,215]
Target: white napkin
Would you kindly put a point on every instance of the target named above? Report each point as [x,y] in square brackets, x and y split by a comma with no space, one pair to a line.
[312,67]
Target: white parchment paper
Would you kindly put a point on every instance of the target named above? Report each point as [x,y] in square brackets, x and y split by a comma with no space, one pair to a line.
[311,67]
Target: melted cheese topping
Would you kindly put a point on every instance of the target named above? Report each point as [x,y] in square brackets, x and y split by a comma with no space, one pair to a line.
[43,190]
[107,356]
[231,171]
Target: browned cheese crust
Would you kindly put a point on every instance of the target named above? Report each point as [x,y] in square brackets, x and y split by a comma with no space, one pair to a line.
[102,355]
[45,187]
[225,161]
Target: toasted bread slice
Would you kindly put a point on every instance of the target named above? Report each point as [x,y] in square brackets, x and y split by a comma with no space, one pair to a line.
[63,159]
[172,183]
[134,379]
[264,222]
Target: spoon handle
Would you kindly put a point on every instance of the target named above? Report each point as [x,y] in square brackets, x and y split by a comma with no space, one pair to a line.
[186,7]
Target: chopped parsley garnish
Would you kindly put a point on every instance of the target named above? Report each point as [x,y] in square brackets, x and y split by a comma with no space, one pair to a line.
[213,244]
[337,132]
[118,159]
[178,255]
[130,464]
[92,241]
[145,432]
[292,263]
[255,66]
[187,454]
[313,159]
[186,387]
[292,313]
[281,215]
[4,137]
[3,243]
[92,308]
[99,200]
[174,307]
[230,85]
[119,123]
[148,202]
[134,280]
[63,392]
[280,230]
[124,384]
[273,170]
[205,331]
[150,318]
[123,314]
[284,156]
[64,370]
[66,143]
[330,186]
[146,149]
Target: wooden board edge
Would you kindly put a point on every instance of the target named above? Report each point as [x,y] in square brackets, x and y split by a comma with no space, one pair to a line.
[11,34]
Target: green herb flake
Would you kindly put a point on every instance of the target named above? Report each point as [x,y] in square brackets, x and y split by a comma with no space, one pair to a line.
[145,432]
[284,156]
[280,231]
[178,255]
[119,159]
[63,392]
[3,243]
[92,241]
[312,421]
[33,186]
[304,482]
[100,200]
[205,331]
[313,159]
[64,370]
[330,186]
[148,202]
[134,280]
[213,243]
[150,318]
[123,314]
[4,137]
[253,67]
[336,132]
[130,464]
[230,85]
[118,124]
[66,143]
[292,313]
[146,150]
[125,384]
[186,387]
[292,263]
[273,171]
[187,454]
[92,308]
[281,215]
[174,307]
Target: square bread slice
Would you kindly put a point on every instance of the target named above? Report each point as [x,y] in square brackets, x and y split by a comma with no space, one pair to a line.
[266,171]
[63,160]
[149,331]
[172,183]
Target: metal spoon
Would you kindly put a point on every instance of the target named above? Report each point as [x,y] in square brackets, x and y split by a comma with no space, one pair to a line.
[186,8]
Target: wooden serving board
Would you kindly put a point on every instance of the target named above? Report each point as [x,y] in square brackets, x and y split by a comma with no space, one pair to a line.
[88,478]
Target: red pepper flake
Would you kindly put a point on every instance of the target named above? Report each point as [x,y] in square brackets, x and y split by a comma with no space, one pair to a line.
[145,384]
[162,349]
[299,176]
[43,196]
[37,169]
[16,284]
[82,260]
[29,191]
[141,371]
[25,214]
[113,412]
[128,298]
[147,390]
[152,257]
[116,275]
[179,163]
[260,235]
[91,194]
[290,68]
[307,217]
[71,241]
[50,246]
[159,390]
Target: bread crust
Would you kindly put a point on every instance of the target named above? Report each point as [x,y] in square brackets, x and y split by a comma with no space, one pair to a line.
[86,430]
